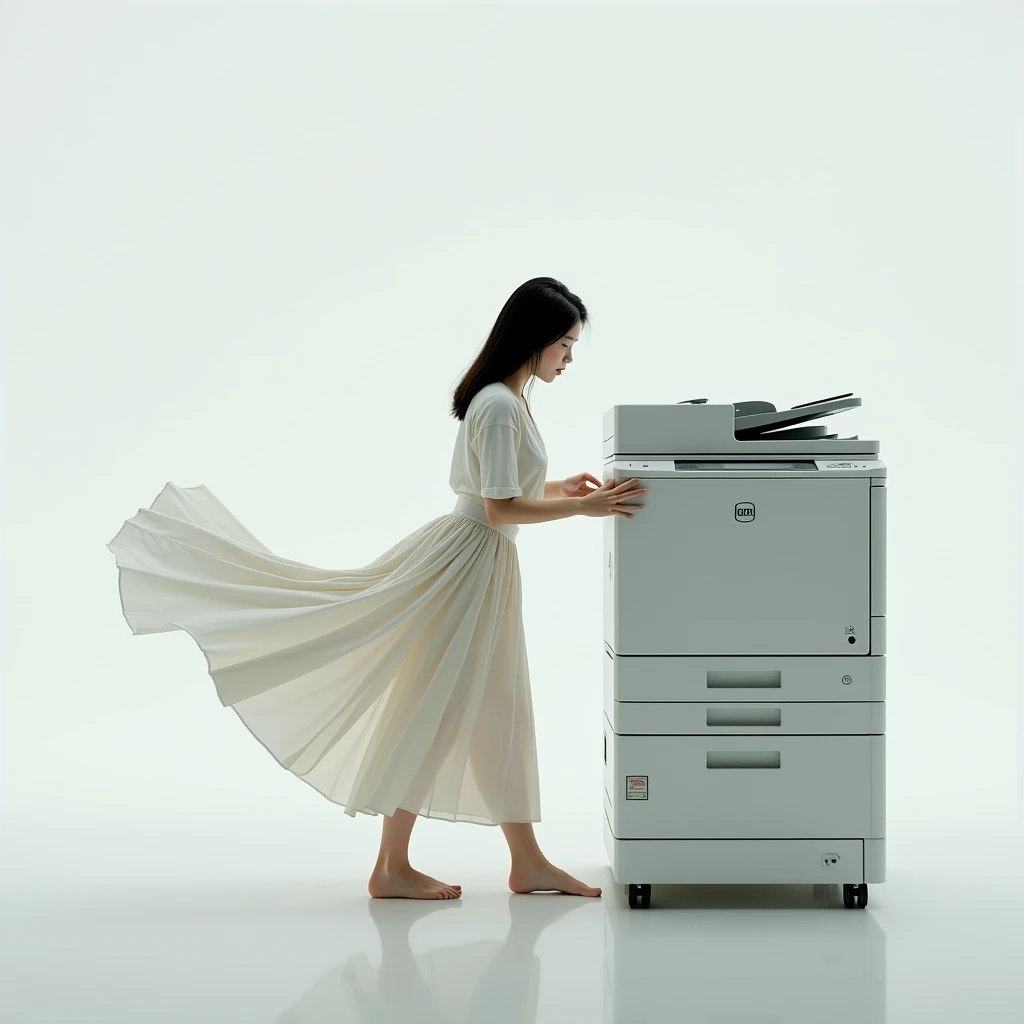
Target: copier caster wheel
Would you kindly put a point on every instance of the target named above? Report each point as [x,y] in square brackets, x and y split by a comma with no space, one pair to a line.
[639,895]
[855,895]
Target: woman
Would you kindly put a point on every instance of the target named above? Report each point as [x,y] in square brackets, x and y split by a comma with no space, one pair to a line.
[400,688]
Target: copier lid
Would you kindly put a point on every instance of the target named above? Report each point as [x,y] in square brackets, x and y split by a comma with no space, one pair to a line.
[753,420]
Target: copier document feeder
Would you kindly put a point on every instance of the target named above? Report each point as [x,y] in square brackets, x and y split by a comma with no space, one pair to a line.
[744,641]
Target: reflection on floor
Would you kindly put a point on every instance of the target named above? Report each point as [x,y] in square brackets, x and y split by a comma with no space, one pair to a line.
[937,942]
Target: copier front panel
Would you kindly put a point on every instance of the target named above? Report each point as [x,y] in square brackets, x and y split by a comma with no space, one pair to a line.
[741,566]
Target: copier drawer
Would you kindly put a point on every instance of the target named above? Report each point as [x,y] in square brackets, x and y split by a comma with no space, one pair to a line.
[679,718]
[746,787]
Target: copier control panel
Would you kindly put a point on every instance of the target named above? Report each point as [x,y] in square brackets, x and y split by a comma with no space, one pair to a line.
[676,467]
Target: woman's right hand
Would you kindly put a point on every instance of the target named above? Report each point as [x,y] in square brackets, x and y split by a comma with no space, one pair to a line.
[607,499]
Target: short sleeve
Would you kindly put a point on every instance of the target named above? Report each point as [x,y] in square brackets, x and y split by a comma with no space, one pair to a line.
[496,446]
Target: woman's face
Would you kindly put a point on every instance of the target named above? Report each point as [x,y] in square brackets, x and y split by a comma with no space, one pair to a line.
[557,356]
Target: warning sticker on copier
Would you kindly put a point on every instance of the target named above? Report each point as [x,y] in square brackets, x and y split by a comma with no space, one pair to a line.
[636,787]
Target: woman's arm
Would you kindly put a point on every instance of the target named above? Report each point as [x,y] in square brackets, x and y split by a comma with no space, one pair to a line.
[528,510]
[552,488]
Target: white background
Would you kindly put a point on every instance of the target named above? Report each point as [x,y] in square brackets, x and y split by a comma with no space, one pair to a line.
[255,247]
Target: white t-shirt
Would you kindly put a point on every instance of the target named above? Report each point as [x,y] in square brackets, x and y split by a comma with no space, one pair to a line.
[499,452]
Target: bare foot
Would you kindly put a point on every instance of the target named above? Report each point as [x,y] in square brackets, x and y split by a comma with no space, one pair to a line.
[546,876]
[410,884]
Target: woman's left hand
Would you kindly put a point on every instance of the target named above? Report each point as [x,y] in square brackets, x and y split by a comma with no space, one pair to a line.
[576,486]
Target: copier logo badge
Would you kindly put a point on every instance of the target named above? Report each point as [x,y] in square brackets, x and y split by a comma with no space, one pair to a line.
[745,512]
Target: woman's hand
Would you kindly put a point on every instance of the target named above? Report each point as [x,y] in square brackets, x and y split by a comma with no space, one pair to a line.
[576,486]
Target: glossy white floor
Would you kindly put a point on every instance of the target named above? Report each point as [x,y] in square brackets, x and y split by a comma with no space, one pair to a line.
[250,923]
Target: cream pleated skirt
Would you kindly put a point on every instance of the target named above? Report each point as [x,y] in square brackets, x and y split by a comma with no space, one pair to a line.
[403,683]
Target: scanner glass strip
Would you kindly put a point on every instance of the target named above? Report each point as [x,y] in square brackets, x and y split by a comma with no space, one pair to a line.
[766,464]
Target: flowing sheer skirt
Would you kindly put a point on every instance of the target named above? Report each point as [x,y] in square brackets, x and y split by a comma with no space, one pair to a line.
[403,683]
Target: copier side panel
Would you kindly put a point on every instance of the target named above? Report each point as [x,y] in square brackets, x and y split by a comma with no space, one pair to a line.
[610,559]
[609,758]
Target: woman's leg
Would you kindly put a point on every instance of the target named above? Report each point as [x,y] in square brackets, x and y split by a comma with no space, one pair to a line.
[522,845]
[393,875]
[394,839]
[531,870]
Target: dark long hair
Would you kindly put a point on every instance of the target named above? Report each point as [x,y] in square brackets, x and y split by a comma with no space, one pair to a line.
[536,314]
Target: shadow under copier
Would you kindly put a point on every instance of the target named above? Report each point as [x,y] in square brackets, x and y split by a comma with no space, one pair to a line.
[704,954]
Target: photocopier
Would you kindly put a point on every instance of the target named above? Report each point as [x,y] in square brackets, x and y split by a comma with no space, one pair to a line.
[744,641]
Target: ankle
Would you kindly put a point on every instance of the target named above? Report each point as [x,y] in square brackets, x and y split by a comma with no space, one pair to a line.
[391,865]
[529,861]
